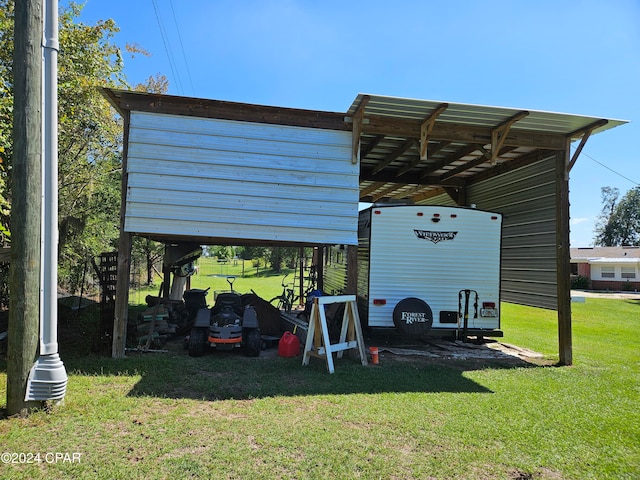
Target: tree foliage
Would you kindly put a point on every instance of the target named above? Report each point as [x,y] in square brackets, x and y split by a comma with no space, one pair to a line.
[6,114]
[89,136]
[619,222]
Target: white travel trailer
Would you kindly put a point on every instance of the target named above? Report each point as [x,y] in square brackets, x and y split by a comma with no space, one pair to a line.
[430,270]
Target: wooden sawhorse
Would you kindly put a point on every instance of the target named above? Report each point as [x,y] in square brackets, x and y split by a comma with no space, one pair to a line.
[318,343]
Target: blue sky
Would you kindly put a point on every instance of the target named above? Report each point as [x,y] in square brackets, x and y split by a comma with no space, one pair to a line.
[573,56]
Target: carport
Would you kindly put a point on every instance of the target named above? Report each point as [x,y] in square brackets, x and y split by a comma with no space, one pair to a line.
[219,172]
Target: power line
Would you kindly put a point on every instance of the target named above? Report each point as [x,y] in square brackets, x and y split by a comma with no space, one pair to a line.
[609,168]
[167,48]
[184,57]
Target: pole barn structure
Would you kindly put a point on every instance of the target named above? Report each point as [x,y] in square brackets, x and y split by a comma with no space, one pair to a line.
[218,172]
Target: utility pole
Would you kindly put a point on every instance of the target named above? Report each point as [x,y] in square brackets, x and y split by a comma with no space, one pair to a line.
[24,278]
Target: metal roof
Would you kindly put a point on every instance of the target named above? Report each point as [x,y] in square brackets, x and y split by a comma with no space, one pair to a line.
[410,149]
[477,115]
[460,144]
[605,253]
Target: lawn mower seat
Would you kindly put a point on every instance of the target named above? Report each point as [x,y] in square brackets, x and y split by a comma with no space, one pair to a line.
[226,301]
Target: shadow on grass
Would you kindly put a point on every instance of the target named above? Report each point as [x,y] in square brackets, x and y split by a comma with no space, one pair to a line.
[231,375]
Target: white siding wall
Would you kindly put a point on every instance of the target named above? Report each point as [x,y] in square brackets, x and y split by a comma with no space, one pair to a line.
[210,178]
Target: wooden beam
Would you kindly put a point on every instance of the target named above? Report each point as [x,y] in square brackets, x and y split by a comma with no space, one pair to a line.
[578,151]
[455,156]
[433,148]
[393,156]
[486,157]
[243,112]
[358,118]
[412,164]
[411,192]
[485,152]
[586,133]
[392,177]
[427,126]
[500,132]
[387,191]
[429,194]
[451,132]
[531,157]
[371,188]
[454,193]
[589,128]
[462,168]
[364,151]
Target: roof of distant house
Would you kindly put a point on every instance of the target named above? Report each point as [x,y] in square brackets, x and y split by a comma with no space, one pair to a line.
[593,253]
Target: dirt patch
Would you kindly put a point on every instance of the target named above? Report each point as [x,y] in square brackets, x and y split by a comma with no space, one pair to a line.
[465,357]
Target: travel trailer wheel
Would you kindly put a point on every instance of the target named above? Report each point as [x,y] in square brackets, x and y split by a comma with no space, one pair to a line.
[413,316]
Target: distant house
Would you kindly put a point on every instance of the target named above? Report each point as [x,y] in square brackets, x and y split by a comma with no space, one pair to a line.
[608,268]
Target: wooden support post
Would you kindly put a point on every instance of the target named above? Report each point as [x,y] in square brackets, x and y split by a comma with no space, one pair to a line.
[301,283]
[427,126]
[352,270]
[320,267]
[358,120]
[500,132]
[318,343]
[24,276]
[121,313]
[563,267]
[585,136]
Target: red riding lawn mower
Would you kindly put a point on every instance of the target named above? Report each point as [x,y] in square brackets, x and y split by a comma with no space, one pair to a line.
[226,326]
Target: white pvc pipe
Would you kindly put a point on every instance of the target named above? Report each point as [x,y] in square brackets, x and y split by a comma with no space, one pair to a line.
[48,377]
[49,265]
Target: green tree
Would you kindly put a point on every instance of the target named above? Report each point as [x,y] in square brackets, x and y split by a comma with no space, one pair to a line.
[6,114]
[279,256]
[89,137]
[604,227]
[222,252]
[619,222]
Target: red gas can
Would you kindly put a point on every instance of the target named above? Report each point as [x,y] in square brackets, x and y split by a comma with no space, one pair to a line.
[289,345]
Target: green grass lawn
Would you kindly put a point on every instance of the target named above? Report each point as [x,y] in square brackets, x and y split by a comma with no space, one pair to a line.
[213,275]
[229,416]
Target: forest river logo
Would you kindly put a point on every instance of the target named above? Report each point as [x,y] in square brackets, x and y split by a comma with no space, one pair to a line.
[435,237]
